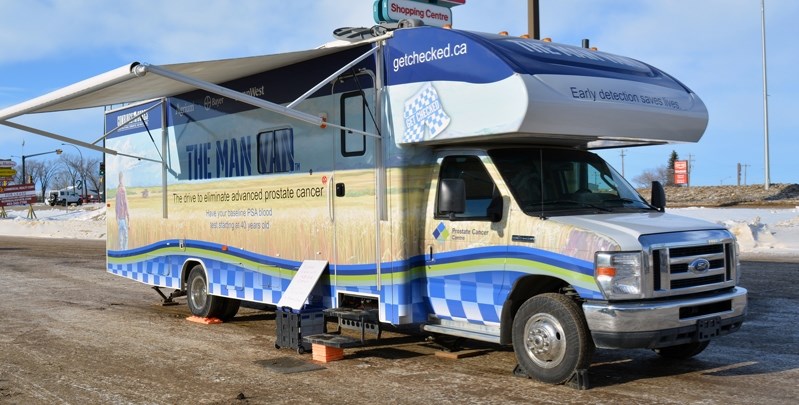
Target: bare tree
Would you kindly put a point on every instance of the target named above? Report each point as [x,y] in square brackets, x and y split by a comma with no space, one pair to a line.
[646,178]
[61,179]
[42,173]
[72,169]
[92,178]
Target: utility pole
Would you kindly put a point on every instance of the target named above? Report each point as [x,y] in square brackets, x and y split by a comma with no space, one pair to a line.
[533,28]
[745,166]
[690,166]
[739,173]
[766,177]
[622,162]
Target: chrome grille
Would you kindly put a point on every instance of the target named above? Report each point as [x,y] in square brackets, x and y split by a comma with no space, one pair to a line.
[690,262]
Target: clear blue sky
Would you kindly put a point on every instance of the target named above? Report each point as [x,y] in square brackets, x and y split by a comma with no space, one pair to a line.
[713,46]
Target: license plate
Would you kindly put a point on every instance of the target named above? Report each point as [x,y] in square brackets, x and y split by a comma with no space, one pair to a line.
[708,328]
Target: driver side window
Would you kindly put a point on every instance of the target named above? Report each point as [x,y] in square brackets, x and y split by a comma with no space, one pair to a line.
[483,200]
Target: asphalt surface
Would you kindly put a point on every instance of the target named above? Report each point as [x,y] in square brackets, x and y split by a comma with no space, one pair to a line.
[72,333]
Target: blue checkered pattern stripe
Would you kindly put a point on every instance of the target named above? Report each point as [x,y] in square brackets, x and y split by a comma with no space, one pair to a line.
[230,280]
[473,297]
[225,279]
[424,115]
[155,271]
[466,285]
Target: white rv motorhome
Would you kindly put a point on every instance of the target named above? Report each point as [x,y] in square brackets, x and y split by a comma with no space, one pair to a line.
[431,176]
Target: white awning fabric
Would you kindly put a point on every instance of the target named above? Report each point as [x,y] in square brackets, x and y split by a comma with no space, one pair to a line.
[121,85]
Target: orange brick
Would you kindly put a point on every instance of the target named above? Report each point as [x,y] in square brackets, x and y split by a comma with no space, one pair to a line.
[326,354]
[206,321]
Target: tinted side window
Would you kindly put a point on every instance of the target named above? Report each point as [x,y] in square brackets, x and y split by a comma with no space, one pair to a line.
[353,115]
[483,200]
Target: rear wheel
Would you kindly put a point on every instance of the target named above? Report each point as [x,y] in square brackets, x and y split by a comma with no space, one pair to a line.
[551,339]
[230,308]
[684,351]
[200,302]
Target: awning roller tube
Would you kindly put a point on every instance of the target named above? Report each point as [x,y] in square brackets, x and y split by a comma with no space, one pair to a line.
[78,89]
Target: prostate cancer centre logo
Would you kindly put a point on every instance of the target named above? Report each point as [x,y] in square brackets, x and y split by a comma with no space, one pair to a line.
[441,233]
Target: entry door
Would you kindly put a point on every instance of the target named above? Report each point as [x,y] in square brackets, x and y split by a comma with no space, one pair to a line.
[354,198]
[465,253]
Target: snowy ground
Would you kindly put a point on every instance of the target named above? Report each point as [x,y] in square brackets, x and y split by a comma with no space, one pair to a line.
[82,222]
[761,232]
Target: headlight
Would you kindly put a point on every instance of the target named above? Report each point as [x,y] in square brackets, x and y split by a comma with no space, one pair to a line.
[618,274]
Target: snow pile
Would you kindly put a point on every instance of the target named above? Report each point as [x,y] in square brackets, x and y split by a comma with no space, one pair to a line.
[761,232]
[81,222]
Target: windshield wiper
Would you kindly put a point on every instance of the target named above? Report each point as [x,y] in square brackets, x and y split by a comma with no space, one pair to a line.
[579,203]
[629,200]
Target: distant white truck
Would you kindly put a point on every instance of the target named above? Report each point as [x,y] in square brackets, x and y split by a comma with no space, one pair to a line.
[64,197]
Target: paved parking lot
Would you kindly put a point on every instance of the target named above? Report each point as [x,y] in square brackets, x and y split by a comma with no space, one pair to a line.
[71,333]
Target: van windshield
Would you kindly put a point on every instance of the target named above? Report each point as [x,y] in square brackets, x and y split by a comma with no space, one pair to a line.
[550,182]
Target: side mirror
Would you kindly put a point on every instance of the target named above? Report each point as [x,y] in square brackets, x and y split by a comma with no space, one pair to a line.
[658,199]
[451,196]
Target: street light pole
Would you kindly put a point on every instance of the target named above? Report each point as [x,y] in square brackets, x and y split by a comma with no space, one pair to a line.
[24,177]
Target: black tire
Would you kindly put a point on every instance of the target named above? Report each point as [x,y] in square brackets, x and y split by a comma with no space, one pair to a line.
[200,302]
[551,339]
[682,352]
[230,308]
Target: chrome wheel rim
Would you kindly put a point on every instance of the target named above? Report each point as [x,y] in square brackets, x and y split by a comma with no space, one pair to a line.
[545,341]
[198,292]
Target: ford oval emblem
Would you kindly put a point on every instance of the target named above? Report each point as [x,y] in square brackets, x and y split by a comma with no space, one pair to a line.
[699,266]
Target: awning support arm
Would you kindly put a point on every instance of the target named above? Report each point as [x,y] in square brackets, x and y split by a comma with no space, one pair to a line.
[332,77]
[58,137]
[140,158]
[143,69]
[129,120]
[73,141]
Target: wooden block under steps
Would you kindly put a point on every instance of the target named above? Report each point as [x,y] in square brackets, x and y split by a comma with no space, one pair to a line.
[460,354]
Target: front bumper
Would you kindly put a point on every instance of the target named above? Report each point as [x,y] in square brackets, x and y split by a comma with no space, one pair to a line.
[666,322]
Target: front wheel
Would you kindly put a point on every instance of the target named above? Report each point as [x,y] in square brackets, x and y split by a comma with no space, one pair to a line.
[684,351]
[200,302]
[551,339]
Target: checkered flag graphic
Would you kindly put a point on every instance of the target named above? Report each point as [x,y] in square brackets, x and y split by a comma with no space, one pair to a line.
[424,116]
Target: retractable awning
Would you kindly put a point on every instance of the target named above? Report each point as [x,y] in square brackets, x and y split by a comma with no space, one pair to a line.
[122,85]
[131,83]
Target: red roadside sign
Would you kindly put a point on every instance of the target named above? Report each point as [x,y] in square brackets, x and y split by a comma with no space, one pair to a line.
[680,172]
[21,194]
